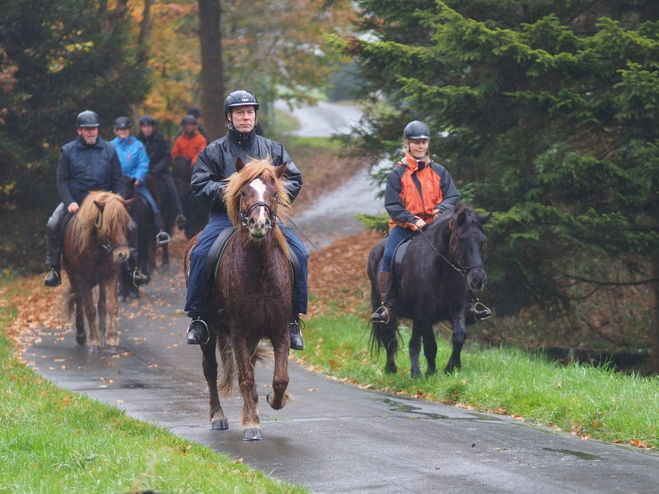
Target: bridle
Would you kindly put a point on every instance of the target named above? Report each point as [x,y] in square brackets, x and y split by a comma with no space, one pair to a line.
[463,270]
[272,214]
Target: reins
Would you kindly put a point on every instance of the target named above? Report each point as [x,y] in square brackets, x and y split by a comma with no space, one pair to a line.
[325,257]
[464,271]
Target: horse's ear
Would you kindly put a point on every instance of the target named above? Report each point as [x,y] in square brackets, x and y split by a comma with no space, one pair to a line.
[128,202]
[239,164]
[281,169]
[485,217]
[100,205]
[462,217]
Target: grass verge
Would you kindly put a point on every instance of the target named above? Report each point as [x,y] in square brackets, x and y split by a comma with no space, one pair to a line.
[591,402]
[55,441]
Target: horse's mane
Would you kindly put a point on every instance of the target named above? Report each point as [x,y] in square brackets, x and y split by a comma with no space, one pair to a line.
[268,173]
[92,221]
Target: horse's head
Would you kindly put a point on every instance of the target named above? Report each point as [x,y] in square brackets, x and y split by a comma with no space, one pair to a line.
[129,184]
[104,216]
[255,195]
[467,245]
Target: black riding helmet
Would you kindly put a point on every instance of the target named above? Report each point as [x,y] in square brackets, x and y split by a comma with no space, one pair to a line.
[88,118]
[416,130]
[240,98]
[147,120]
[123,123]
[189,119]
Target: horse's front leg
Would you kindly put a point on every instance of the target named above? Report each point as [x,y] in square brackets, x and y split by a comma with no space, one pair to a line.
[165,255]
[458,339]
[250,417]
[89,307]
[278,397]
[109,318]
[209,365]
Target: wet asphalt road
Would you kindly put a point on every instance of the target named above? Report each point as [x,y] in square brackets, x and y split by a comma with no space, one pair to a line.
[333,437]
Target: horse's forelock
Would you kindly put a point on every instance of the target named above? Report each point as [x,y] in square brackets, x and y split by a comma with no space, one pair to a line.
[254,169]
[106,222]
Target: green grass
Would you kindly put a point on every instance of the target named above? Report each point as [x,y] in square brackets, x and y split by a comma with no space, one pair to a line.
[593,402]
[55,441]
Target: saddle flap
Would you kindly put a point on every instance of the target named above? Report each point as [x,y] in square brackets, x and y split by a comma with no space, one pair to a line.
[215,252]
[399,254]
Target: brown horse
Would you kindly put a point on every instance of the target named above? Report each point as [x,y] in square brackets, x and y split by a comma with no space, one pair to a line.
[253,286]
[94,246]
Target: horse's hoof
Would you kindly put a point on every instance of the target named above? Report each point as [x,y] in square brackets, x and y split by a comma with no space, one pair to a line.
[450,368]
[112,349]
[390,369]
[81,339]
[220,425]
[252,435]
[94,349]
[415,375]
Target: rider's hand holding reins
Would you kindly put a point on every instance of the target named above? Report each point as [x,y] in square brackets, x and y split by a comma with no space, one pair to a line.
[73,207]
[418,224]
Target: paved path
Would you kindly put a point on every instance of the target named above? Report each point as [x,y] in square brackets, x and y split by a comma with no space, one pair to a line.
[333,438]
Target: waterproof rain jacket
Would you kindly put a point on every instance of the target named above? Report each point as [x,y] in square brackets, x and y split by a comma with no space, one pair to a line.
[218,161]
[84,168]
[415,191]
[133,157]
[157,148]
[189,146]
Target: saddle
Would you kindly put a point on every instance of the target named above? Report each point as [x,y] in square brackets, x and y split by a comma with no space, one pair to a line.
[399,254]
[217,249]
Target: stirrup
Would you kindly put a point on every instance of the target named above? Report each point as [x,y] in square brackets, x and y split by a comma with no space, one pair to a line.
[139,278]
[482,314]
[53,278]
[163,238]
[197,333]
[381,315]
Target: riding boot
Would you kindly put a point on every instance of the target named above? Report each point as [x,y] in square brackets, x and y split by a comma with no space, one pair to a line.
[53,278]
[384,312]
[197,333]
[137,277]
[162,237]
[296,333]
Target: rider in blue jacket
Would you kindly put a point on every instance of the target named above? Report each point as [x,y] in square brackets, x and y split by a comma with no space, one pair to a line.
[135,164]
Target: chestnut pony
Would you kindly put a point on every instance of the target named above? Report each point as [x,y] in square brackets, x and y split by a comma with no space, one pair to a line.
[253,287]
[94,246]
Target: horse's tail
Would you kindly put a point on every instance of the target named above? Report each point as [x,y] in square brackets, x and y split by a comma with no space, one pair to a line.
[229,367]
[384,335]
[66,304]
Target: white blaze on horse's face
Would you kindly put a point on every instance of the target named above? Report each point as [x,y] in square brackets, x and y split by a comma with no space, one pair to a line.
[258,225]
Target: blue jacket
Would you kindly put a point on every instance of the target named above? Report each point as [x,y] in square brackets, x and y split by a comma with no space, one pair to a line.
[133,157]
[84,168]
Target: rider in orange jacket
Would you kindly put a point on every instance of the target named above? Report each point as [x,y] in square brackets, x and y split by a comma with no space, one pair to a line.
[191,142]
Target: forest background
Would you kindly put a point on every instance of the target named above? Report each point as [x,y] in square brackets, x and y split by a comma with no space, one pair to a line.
[547,109]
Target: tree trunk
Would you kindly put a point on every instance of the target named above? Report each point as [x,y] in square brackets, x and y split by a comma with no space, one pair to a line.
[142,41]
[212,73]
[654,328]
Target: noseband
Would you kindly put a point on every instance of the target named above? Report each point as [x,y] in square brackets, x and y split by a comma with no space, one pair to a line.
[272,215]
[112,247]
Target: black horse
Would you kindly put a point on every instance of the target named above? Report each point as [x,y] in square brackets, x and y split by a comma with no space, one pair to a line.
[436,281]
[142,214]
[195,212]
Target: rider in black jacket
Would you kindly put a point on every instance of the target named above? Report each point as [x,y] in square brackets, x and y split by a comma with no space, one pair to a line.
[160,160]
[215,163]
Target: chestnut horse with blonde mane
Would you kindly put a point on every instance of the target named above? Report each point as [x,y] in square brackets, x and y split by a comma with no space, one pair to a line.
[253,287]
[95,244]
